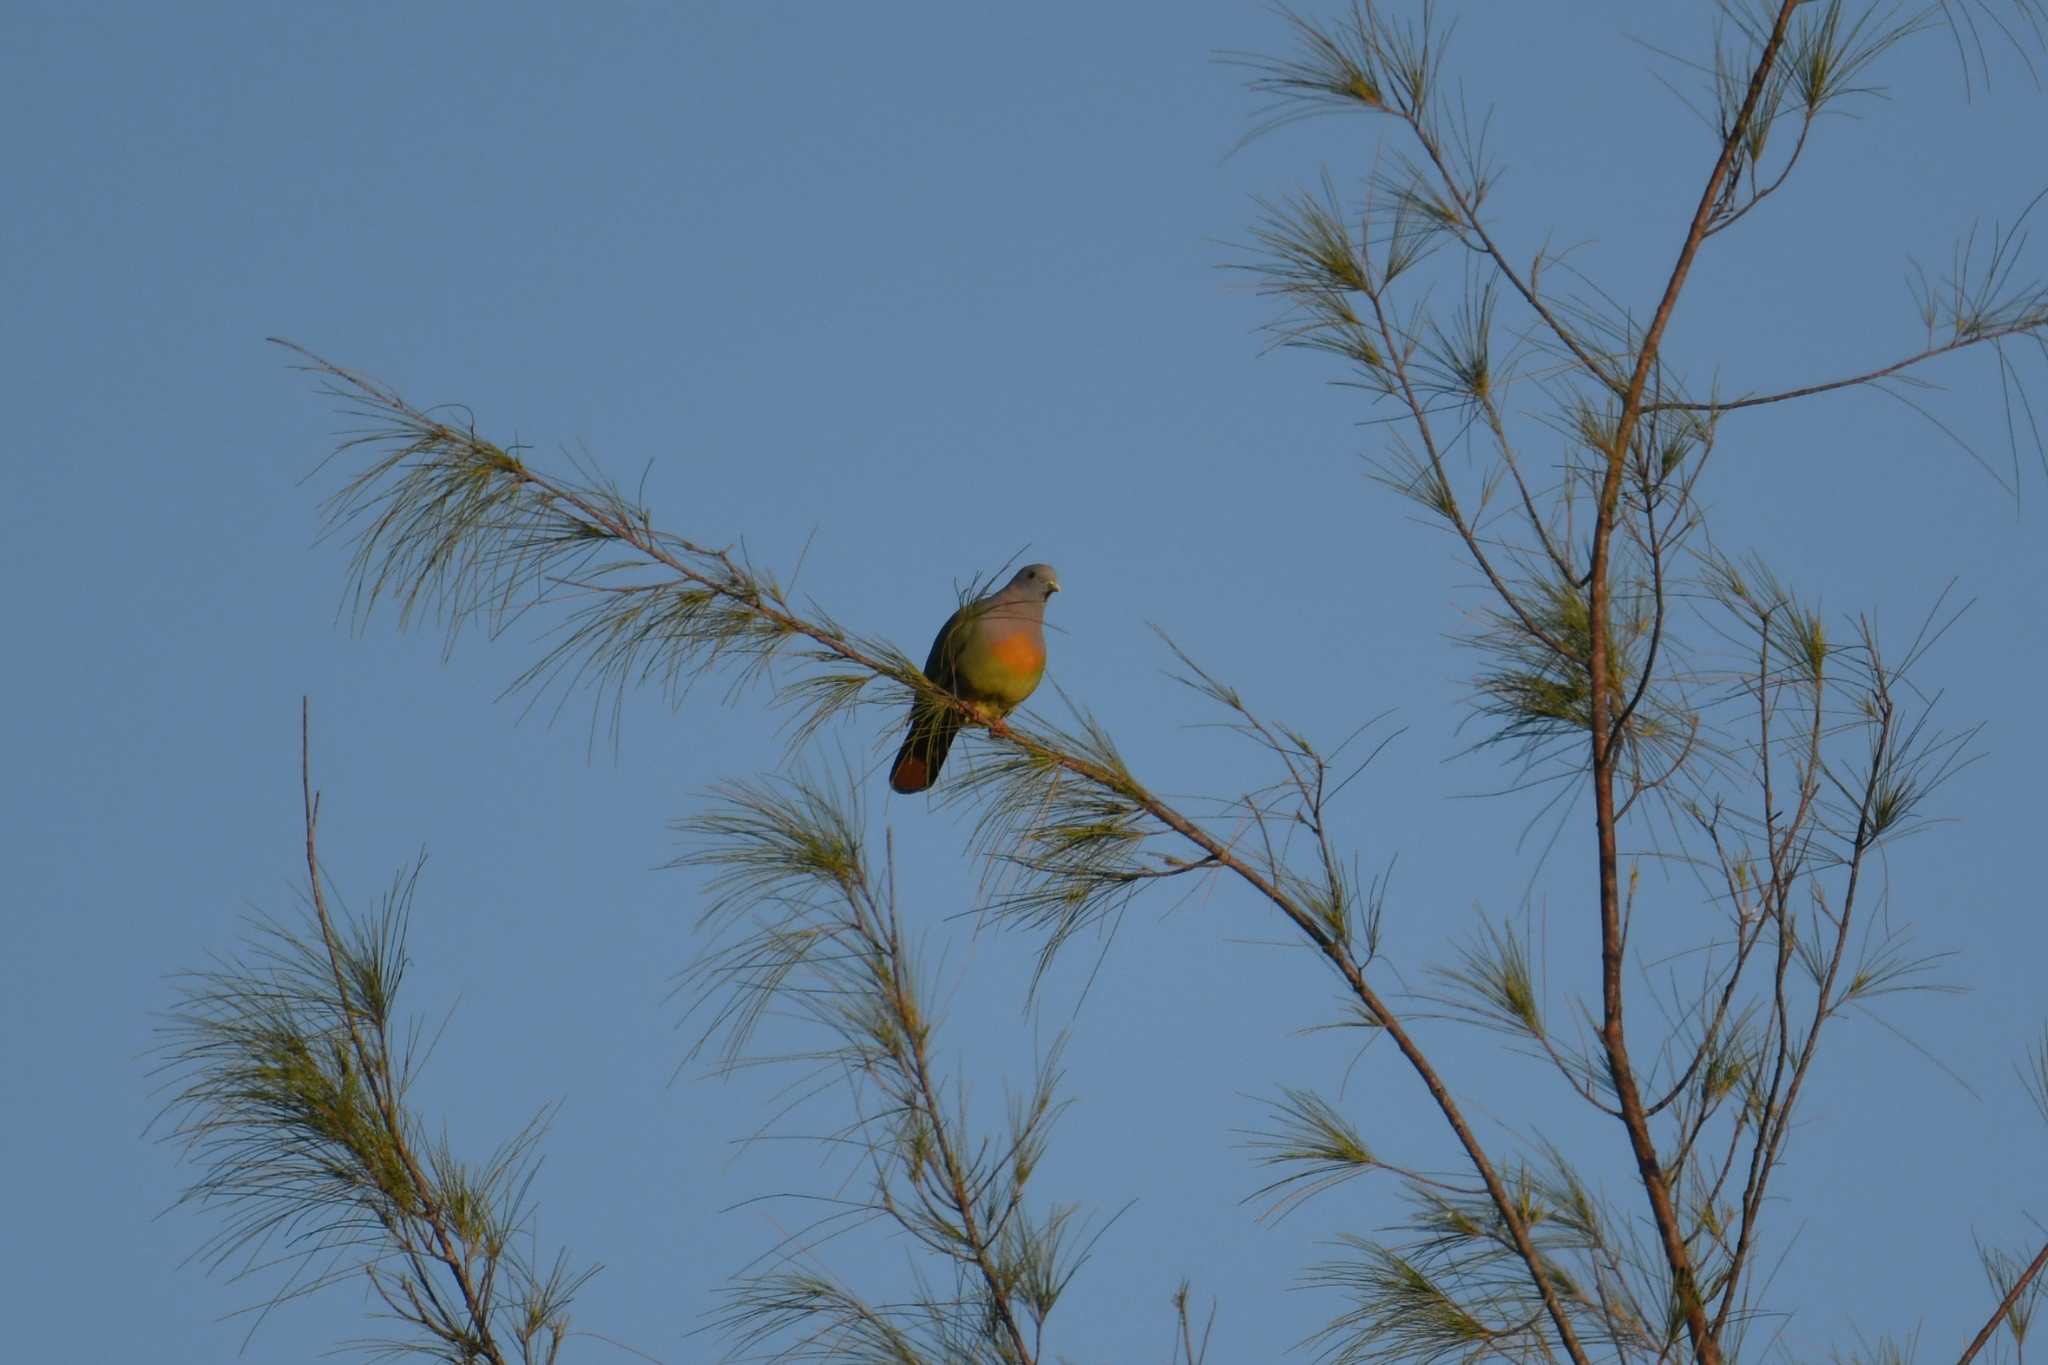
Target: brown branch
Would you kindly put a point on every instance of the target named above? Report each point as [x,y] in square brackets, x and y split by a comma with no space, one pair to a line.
[1776,1121]
[1186,1351]
[1782,874]
[1745,943]
[1852,381]
[1466,532]
[2012,1296]
[1730,217]
[1498,427]
[1605,742]
[1468,211]
[1334,951]
[1656,547]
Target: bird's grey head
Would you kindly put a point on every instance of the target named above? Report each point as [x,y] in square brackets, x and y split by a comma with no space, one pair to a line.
[1035,581]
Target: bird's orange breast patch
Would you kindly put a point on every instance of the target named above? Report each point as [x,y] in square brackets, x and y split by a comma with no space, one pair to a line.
[1021,654]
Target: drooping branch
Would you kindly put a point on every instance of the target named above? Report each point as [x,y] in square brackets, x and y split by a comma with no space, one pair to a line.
[448,520]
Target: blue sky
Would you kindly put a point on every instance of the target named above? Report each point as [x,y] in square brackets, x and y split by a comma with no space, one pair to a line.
[901,292]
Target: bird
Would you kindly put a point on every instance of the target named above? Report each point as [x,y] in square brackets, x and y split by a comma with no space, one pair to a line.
[990,654]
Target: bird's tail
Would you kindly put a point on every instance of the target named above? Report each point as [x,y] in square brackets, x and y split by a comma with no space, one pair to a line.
[924,749]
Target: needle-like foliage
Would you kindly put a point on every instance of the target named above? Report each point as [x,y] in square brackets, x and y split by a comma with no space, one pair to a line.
[1763,752]
[804,926]
[291,1090]
[1313,1143]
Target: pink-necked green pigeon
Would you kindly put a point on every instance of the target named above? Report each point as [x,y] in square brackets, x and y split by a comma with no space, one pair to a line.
[990,653]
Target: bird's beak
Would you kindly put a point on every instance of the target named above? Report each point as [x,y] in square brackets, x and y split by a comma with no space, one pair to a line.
[1052,587]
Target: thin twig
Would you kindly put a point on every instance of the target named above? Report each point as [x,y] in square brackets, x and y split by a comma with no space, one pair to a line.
[378,1080]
